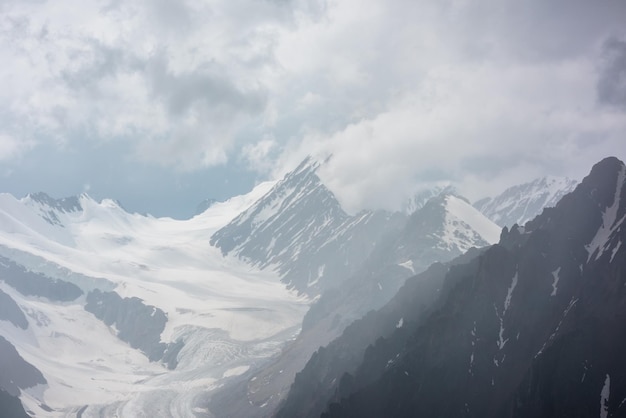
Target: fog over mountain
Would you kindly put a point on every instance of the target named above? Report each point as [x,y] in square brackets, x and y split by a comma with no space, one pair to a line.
[529,327]
[288,208]
[269,303]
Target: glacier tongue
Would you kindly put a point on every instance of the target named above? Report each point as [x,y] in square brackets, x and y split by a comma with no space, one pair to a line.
[228,315]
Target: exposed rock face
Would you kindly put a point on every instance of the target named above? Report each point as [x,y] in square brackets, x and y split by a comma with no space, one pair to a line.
[531,327]
[29,283]
[138,324]
[16,373]
[10,311]
[445,227]
[11,406]
[300,229]
[51,207]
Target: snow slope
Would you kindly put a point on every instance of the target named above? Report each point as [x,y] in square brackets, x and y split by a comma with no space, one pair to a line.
[465,226]
[521,203]
[228,314]
[300,229]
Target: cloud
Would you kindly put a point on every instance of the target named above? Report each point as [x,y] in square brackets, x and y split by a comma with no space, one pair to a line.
[483,94]
[400,92]
[612,81]
[11,147]
[482,127]
[259,155]
[178,80]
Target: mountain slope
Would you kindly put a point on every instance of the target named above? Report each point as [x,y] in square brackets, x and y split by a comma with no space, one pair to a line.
[532,327]
[445,227]
[521,203]
[127,314]
[300,229]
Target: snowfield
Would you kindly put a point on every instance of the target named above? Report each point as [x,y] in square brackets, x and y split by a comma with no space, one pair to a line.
[229,315]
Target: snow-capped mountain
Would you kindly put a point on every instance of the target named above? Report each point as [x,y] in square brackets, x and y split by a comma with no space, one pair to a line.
[420,198]
[445,227]
[122,313]
[521,203]
[125,314]
[300,229]
[532,326]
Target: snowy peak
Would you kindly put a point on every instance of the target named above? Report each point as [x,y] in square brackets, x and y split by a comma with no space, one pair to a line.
[50,208]
[445,227]
[465,226]
[455,223]
[300,229]
[521,203]
[421,198]
[277,217]
[66,204]
[531,325]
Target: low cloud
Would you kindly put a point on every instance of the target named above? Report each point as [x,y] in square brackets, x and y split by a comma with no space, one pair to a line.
[612,80]
[11,147]
[177,80]
[401,93]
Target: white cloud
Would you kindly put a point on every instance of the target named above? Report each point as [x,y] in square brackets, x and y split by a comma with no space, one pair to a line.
[11,147]
[179,80]
[484,94]
[259,155]
[401,92]
[482,127]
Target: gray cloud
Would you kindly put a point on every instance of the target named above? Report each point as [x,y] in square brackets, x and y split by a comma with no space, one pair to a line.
[401,92]
[612,81]
[208,85]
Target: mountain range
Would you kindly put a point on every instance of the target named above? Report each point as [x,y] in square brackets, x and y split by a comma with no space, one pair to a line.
[531,326]
[521,203]
[105,312]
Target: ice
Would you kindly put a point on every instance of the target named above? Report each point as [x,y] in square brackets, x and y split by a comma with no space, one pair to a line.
[604,397]
[555,275]
[226,312]
[400,323]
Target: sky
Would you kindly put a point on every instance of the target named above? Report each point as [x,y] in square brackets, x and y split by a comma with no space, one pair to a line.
[161,104]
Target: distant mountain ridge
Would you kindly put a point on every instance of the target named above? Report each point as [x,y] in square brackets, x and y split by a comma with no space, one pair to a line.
[202,296]
[532,326]
[442,228]
[521,203]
